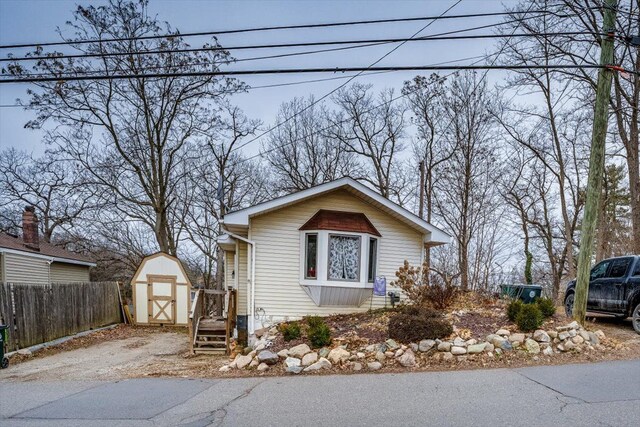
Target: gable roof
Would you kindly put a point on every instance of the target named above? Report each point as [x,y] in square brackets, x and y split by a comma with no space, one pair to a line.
[10,243]
[340,221]
[240,218]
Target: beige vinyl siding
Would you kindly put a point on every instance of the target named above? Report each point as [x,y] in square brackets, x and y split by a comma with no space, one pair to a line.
[25,269]
[229,266]
[242,277]
[69,273]
[277,237]
[1,267]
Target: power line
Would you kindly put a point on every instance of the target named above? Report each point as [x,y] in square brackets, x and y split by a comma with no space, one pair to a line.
[271,28]
[296,83]
[370,42]
[309,70]
[326,95]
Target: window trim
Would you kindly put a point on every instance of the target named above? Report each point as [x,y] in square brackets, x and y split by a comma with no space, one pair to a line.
[375,269]
[306,258]
[359,237]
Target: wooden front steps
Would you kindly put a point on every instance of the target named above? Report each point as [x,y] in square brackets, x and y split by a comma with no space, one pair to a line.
[210,336]
[209,333]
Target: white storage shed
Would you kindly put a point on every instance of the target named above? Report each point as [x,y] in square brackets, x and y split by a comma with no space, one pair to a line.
[161,291]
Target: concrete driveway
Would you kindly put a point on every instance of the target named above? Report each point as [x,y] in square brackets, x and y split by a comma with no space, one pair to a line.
[592,394]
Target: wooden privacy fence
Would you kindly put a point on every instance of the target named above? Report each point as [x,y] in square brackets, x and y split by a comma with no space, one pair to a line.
[39,313]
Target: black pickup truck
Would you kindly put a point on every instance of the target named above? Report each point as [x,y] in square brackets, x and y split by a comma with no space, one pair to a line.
[614,288]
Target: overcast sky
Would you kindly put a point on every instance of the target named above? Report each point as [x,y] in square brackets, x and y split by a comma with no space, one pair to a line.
[28,21]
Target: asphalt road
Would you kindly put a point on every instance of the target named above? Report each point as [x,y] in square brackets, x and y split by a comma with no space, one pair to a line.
[606,394]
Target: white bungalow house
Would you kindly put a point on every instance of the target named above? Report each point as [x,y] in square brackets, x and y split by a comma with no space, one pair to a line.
[319,251]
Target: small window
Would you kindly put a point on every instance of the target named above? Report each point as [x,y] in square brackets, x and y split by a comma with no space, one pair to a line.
[344,258]
[311,256]
[636,271]
[373,260]
[600,270]
[619,267]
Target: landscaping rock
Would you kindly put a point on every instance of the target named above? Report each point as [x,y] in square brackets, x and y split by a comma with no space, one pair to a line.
[472,341]
[489,347]
[338,355]
[414,347]
[448,357]
[374,366]
[357,366]
[398,353]
[309,359]
[268,357]
[541,336]
[380,357]
[459,342]
[292,362]
[599,334]
[569,345]
[444,346]
[294,369]
[254,363]
[563,336]
[243,361]
[283,353]
[299,351]
[322,363]
[516,338]
[593,339]
[389,354]
[503,332]
[225,368]
[260,346]
[426,345]
[262,367]
[360,355]
[323,352]
[584,334]
[370,348]
[548,351]
[491,337]
[457,350]
[577,339]
[552,334]
[503,345]
[408,359]
[476,348]
[391,344]
[532,346]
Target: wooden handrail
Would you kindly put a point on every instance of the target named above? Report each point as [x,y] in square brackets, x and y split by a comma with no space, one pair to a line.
[194,317]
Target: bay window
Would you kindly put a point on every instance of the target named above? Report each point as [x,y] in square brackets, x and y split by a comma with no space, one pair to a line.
[338,258]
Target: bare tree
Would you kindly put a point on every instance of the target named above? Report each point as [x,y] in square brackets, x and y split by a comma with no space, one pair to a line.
[301,152]
[466,194]
[372,128]
[52,186]
[134,136]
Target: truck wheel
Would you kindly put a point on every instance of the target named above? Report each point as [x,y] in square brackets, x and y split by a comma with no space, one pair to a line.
[635,318]
[568,304]
[5,363]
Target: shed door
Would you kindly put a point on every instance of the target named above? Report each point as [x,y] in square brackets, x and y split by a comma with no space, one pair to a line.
[162,299]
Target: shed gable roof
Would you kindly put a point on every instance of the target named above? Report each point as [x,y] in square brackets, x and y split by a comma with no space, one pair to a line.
[240,218]
[326,219]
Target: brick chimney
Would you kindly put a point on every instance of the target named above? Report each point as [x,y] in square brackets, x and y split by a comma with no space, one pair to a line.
[30,234]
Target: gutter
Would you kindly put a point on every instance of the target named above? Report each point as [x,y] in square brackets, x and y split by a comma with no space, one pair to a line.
[251,302]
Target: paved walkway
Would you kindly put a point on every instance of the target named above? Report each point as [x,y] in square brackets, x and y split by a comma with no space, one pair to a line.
[603,394]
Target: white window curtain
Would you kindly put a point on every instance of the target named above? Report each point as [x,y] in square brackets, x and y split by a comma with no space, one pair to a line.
[344,258]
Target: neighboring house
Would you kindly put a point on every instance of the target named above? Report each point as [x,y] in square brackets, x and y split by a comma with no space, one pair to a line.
[27,260]
[318,251]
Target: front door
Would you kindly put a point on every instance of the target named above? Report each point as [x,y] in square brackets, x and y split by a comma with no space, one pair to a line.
[162,299]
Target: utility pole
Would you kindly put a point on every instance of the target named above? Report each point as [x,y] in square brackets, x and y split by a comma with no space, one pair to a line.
[596,161]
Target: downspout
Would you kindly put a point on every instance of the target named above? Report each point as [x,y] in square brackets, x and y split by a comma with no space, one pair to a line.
[251,297]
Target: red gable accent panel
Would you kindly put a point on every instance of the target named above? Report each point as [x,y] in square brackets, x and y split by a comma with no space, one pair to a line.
[340,221]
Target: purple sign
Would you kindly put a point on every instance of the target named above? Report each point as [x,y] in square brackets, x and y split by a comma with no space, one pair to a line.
[380,286]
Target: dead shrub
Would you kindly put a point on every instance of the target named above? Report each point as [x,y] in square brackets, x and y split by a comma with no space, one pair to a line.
[436,291]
